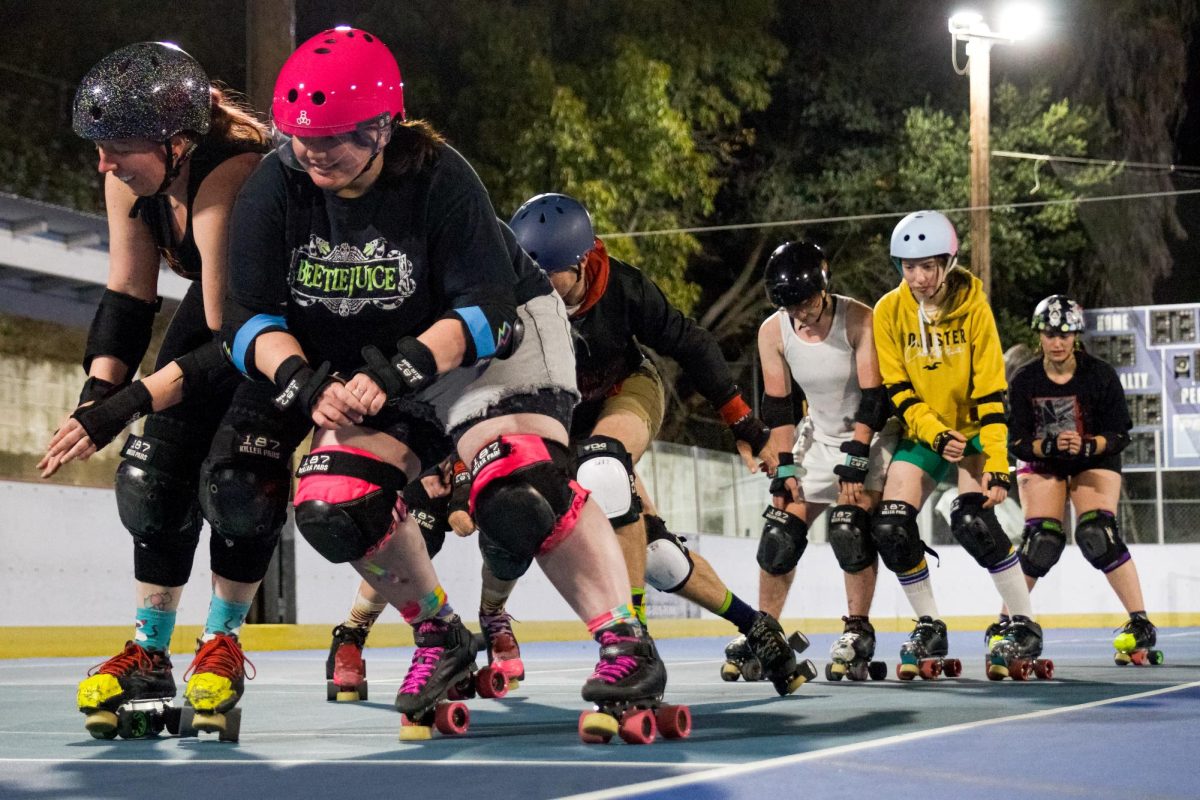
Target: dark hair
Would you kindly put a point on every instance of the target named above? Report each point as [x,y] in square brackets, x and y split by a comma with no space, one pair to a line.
[414,144]
[234,122]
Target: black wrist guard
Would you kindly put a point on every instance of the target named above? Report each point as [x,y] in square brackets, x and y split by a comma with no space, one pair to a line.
[410,370]
[941,440]
[108,417]
[857,462]
[299,384]
[460,494]
[999,479]
[1050,447]
[97,389]
[1087,449]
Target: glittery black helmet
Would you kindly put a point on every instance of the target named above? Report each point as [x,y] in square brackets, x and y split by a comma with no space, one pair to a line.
[148,90]
[795,272]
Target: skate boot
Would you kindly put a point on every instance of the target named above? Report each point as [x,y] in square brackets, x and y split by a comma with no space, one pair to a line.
[128,694]
[504,654]
[218,678]
[778,655]
[740,662]
[1135,643]
[443,668]
[995,632]
[345,669]
[925,652]
[627,688]
[851,655]
[1016,653]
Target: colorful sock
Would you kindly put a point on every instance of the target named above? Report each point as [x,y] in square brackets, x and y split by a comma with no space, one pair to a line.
[622,614]
[364,613]
[1010,583]
[919,590]
[736,611]
[639,603]
[427,607]
[224,616]
[152,628]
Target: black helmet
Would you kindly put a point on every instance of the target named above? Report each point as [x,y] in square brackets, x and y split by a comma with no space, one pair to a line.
[795,272]
[148,90]
[556,231]
[1058,313]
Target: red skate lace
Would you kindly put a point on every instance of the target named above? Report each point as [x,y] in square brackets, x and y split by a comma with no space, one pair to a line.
[134,656]
[610,669]
[220,655]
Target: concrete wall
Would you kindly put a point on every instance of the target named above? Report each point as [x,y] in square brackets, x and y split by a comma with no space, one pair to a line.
[67,561]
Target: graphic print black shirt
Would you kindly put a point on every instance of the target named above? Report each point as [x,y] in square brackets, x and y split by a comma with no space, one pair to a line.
[347,273]
[1092,403]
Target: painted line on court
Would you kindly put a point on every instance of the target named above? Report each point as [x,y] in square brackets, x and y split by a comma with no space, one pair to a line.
[358,761]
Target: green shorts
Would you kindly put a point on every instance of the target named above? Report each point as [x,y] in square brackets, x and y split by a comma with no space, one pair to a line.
[926,457]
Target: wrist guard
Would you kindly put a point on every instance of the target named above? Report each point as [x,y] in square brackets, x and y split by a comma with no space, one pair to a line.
[999,479]
[410,370]
[106,418]
[857,462]
[299,384]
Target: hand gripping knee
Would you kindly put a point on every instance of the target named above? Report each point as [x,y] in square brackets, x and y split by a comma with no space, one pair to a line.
[605,468]
[668,563]
[784,538]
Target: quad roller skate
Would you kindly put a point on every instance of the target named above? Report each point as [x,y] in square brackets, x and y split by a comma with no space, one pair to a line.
[1135,643]
[442,674]
[925,652]
[129,695]
[627,689]
[777,655]
[504,654]
[740,662]
[218,679]
[852,653]
[1014,651]
[345,669]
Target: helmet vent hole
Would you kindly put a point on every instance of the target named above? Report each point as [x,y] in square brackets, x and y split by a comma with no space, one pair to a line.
[368,37]
[542,218]
[97,112]
[323,51]
[292,95]
[124,66]
[349,34]
[534,255]
[318,98]
[921,236]
[331,41]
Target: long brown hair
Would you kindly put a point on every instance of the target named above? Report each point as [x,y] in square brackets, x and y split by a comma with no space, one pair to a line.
[957,284]
[234,122]
[414,144]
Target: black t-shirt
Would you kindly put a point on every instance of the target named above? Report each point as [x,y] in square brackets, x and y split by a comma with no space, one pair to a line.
[347,273]
[1092,403]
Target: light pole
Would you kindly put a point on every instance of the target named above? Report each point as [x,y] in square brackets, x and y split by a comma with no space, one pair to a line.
[1017,22]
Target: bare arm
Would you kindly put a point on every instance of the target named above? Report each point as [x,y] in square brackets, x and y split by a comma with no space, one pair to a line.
[211,212]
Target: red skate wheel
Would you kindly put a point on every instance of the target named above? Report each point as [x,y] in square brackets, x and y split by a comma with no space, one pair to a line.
[929,669]
[491,683]
[675,722]
[596,727]
[638,727]
[1044,668]
[452,718]
[1020,669]
[952,667]
[1139,657]
[906,672]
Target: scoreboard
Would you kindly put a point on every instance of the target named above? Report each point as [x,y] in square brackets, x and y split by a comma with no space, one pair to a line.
[1156,353]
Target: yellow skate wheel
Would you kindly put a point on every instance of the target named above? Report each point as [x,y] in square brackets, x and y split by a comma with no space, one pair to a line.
[796,682]
[211,722]
[412,732]
[730,671]
[347,697]
[906,672]
[596,727]
[997,672]
[101,724]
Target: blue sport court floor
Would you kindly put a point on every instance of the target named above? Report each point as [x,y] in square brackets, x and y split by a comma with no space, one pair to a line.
[1096,731]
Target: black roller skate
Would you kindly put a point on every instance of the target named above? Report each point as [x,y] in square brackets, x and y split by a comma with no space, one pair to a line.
[129,695]
[218,679]
[627,689]
[995,632]
[778,655]
[925,653]
[1015,653]
[851,654]
[345,669]
[504,653]
[740,662]
[1135,643]
[442,669]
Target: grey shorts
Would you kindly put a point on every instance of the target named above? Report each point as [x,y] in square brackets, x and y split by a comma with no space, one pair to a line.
[538,378]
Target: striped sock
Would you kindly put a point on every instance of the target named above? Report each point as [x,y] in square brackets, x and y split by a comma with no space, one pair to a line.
[364,613]
[152,628]
[639,603]
[427,607]
[622,614]
[736,611]
[1010,583]
[919,590]
[224,616]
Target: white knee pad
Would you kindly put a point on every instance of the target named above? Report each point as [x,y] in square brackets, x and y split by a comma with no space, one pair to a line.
[668,565]
[604,468]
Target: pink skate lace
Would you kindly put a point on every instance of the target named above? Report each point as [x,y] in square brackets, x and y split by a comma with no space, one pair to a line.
[424,661]
[614,670]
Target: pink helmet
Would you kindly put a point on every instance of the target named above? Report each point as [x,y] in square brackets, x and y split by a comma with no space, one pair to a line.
[335,81]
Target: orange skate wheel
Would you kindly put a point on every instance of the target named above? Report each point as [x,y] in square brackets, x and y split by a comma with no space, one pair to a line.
[906,672]
[1139,657]
[491,683]
[675,722]
[452,718]
[596,727]
[929,669]
[638,727]
[1044,668]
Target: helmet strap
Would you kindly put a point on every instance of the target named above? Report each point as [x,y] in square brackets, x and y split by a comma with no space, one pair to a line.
[174,165]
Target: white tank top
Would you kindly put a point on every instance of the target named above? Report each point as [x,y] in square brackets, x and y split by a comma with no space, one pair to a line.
[827,372]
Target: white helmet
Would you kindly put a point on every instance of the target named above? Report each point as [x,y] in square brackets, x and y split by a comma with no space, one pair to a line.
[923,234]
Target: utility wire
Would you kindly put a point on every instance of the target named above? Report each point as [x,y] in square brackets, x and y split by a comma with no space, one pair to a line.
[1181,168]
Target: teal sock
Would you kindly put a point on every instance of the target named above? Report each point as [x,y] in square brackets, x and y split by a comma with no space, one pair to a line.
[225,616]
[153,628]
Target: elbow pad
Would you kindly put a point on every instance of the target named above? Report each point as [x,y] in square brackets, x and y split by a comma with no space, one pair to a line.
[777,411]
[873,408]
[493,331]
[239,346]
[121,329]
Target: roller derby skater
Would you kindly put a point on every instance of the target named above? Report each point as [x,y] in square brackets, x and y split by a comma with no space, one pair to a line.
[1135,643]
[345,668]
[1068,426]
[839,453]
[626,689]
[128,695]
[940,357]
[852,655]
[1014,651]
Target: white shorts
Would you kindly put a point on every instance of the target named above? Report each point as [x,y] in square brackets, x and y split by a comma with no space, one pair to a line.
[815,461]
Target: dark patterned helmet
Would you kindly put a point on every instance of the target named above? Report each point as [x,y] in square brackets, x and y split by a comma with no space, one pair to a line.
[148,90]
[1058,314]
[795,272]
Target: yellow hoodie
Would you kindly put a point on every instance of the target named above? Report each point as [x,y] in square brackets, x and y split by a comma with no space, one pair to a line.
[945,375]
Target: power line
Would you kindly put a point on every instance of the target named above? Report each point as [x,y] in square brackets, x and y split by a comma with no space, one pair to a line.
[1182,168]
[893,214]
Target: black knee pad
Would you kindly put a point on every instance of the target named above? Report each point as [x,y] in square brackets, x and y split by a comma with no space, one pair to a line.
[1042,543]
[850,538]
[784,538]
[896,537]
[605,468]
[245,484]
[336,510]
[978,531]
[1099,538]
[669,565]
[523,499]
